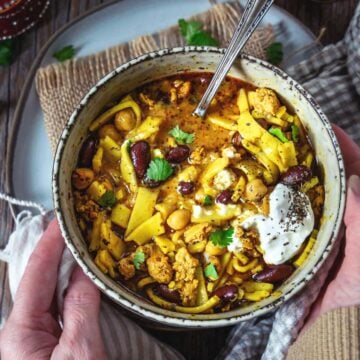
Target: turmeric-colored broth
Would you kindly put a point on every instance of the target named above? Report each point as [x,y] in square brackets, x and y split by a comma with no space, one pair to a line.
[161,195]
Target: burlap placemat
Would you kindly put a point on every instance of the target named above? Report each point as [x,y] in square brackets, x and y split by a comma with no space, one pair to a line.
[61,86]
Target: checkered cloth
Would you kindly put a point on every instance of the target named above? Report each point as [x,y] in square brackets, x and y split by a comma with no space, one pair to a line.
[333,78]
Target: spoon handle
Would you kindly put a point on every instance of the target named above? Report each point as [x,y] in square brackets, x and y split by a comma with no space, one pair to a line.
[254,11]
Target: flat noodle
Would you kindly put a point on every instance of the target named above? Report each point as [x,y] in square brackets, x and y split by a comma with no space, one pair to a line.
[162,198]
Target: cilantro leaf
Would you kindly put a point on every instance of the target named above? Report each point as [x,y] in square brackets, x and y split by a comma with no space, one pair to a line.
[181,136]
[210,272]
[277,132]
[128,145]
[189,28]
[203,39]
[208,200]
[65,53]
[107,200]
[6,48]
[139,259]
[222,238]
[274,53]
[159,170]
[193,33]
[295,131]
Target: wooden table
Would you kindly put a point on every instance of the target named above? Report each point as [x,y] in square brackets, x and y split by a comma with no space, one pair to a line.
[193,344]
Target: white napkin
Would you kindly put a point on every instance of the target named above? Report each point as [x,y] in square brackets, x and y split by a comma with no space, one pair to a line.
[122,337]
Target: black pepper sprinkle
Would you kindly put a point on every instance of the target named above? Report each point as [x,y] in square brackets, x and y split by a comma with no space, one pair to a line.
[297,211]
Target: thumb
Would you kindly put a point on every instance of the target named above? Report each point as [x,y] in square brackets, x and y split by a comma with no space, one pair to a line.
[352,213]
[352,222]
[81,331]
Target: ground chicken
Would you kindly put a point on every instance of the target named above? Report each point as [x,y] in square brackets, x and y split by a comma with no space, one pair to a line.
[247,239]
[224,179]
[231,153]
[265,101]
[89,209]
[126,267]
[197,156]
[196,233]
[146,100]
[184,90]
[147,249]
[185,266]
[159,267]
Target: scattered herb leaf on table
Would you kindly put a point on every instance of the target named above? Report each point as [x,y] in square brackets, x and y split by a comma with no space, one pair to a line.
[66,53]
[193,33]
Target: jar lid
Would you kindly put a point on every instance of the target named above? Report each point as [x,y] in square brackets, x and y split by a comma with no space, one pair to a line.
[17,16]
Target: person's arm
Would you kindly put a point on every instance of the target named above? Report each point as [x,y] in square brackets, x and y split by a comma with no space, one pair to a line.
[332,330]
[32,330]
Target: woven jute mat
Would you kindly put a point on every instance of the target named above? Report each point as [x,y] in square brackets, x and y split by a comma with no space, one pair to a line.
[61,86]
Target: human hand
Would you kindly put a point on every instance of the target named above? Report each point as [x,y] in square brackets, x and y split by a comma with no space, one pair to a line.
[342,288]
[32,332]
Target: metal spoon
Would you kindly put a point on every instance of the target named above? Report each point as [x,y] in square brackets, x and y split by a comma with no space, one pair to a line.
[254,11]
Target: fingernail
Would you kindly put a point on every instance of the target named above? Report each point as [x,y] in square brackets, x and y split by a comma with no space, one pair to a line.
[354,184]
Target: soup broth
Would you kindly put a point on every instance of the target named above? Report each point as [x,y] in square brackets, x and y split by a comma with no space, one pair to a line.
[198,215]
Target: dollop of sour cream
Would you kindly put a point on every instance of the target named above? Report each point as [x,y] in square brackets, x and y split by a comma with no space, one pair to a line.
[236,244]
[290,222]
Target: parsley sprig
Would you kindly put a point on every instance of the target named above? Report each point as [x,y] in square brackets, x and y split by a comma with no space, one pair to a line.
[208,200]
[274,53]
[193,33]
[210,272]
[139,259]
[222,238]
[159,170]
[107,200]
[6,48]
[295,132]
[66,53]
[180,136]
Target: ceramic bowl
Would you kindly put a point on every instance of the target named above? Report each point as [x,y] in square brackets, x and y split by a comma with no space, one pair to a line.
[168,62]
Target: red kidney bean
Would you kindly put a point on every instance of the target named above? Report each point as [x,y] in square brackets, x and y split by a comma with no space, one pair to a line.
[140,157]
[151,183]
[274,273]
[296,175]
[263,123]
[178,154]
[227,293]
[224,197]
[236,140]
[87,152]
[170,295]
[186,187]
[118,230]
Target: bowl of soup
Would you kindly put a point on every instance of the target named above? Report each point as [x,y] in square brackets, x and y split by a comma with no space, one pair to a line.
[195,222]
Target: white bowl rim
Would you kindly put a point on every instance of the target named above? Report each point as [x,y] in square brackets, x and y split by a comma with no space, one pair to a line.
[152,312]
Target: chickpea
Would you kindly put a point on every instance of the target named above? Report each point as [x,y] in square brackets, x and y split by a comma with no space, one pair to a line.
[82,178]
[125,120]
[179,219]
[214,250]
[255,190]
[109,130]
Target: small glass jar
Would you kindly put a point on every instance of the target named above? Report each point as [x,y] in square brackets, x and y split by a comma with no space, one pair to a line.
[17,16]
